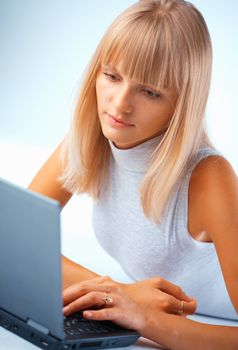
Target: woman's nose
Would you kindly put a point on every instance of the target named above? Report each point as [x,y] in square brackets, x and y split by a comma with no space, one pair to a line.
[123,100]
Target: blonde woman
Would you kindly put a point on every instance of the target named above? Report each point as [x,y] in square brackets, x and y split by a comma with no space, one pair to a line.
[166,202]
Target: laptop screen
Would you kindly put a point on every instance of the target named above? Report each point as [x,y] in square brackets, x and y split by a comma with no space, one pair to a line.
[30,257]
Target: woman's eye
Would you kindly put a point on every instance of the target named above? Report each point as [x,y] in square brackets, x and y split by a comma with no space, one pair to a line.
[151,94]
[111,77]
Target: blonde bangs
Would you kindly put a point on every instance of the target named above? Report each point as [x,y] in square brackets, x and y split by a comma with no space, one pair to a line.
[144,48]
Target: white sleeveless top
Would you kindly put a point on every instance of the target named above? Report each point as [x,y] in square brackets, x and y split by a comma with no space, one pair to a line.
[145,249]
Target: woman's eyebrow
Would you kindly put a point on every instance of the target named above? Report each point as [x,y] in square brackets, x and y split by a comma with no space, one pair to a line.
[144,85]
[108,66]
[148,86]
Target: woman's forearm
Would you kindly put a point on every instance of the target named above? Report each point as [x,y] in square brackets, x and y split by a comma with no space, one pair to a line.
[180,333]
[73,273]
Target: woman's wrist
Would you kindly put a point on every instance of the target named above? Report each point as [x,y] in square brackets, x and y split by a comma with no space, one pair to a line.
[73,272]
[157,327]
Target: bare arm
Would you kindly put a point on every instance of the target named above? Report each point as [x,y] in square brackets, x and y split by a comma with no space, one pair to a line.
[46,182]
[214,197]
[74,273]
[180,333]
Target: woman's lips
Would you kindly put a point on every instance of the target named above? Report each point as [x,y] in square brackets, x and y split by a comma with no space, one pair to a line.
[118,122]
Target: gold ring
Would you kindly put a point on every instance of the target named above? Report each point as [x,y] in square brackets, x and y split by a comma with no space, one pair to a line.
[181,307]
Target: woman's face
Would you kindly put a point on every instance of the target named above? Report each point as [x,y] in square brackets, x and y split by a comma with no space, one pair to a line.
[130,113]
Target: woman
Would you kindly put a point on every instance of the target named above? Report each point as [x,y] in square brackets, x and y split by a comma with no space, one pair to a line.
[166,201]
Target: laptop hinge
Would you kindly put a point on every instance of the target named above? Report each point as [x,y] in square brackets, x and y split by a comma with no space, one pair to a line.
[38,326]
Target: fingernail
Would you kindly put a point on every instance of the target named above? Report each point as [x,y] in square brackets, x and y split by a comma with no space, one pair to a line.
[66,310]
[88,314]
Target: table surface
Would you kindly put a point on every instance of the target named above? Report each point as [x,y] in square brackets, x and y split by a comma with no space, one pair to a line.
[78,240]
[9,341]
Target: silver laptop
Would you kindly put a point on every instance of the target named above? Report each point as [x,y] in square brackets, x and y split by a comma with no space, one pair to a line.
[31,278]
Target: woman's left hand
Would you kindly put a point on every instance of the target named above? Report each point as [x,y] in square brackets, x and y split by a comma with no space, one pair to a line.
[108,297]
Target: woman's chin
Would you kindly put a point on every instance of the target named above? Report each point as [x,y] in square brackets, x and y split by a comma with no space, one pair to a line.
[119,140]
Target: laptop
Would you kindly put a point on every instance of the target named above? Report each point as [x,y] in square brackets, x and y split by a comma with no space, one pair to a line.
[31,278]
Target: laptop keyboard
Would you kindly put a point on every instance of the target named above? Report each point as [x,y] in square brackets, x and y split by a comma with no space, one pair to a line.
[76,325]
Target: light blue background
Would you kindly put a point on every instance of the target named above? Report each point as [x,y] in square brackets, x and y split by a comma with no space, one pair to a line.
[44,47]
[46,44]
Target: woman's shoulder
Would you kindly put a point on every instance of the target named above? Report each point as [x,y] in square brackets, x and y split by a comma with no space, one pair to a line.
[209,169]
[211,172]
[213,194]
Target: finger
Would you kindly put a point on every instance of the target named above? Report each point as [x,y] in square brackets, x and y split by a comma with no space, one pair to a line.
[100,315]
[174,306]
[87,301]
[129,320]
[77,290]
[182,307]
[189,308]
[172,289]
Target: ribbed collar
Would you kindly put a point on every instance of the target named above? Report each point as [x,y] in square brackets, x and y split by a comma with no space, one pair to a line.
[137,158]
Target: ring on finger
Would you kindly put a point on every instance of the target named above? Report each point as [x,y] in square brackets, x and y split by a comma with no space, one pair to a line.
[107,299]
[181,308]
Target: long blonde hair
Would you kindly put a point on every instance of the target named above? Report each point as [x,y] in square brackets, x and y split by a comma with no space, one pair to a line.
[164,43]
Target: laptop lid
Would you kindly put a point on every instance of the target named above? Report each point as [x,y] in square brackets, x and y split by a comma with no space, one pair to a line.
[30,258]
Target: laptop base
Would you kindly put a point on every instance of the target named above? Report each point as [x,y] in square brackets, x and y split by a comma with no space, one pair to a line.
[47,341]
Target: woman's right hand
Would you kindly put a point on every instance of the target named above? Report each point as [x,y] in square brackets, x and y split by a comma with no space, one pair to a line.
[158,294]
